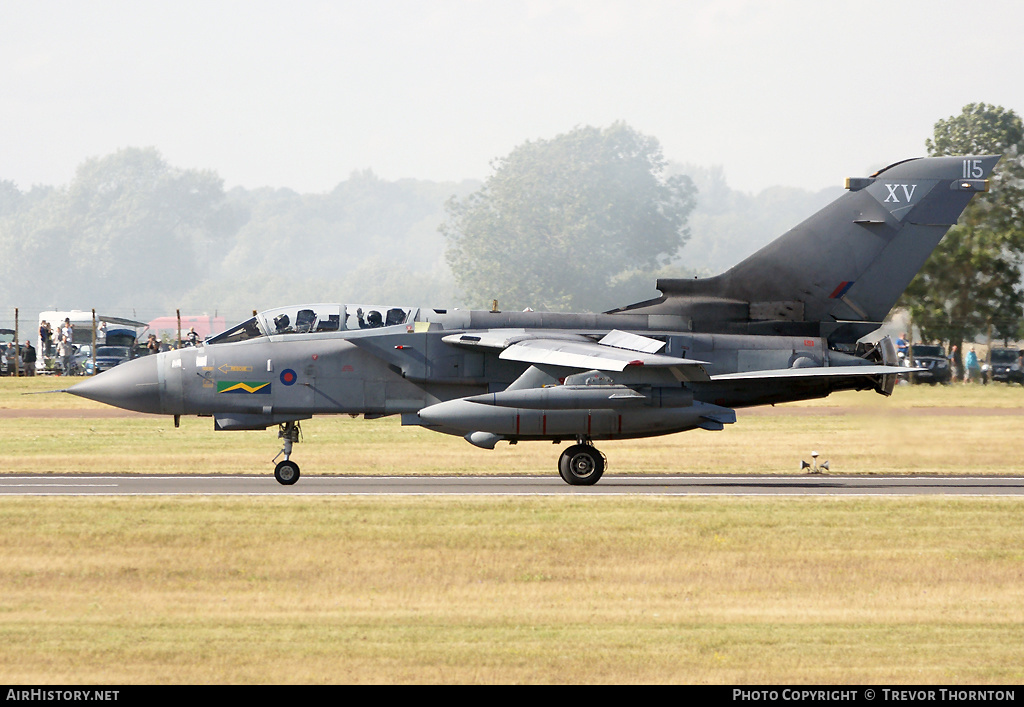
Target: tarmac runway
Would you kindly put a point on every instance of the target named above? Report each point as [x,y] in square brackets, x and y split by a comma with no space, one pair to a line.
[525,485]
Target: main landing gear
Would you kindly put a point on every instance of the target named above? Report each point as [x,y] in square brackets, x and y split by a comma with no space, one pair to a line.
[581,464]
[287,472]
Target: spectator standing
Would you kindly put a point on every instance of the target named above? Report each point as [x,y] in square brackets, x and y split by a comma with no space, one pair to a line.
[903,345]
[66,352]
[45,338]
[972,367]
[12,358]
[28,358]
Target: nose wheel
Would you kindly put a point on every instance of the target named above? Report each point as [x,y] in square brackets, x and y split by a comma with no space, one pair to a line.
[287,472]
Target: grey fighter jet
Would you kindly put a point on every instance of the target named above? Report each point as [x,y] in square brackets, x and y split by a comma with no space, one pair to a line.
[788,323]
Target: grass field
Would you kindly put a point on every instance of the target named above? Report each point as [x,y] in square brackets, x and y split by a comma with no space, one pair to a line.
[349,590]
[500,590]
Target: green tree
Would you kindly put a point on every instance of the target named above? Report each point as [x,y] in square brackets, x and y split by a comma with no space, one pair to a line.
[33,243]
[971,283]
[327,236]
[566,223]
[138,223]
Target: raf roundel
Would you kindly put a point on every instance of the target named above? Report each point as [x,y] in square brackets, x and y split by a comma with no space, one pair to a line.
[288,376]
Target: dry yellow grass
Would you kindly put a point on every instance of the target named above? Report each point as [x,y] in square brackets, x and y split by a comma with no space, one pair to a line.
[493,591]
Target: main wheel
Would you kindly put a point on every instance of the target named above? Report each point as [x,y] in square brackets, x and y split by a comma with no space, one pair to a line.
[286,472]
[581,465]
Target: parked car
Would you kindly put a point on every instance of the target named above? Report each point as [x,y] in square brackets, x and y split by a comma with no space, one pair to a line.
[6,336]
[1003,366]
[106,358]
[82,354]
[933,359]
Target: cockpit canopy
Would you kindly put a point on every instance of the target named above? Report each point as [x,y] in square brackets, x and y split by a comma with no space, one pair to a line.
[315,318]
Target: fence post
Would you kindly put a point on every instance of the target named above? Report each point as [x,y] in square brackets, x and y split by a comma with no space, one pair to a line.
[17,348]
[93,342]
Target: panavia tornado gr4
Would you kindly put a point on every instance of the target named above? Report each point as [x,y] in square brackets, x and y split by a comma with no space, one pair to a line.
[788,323]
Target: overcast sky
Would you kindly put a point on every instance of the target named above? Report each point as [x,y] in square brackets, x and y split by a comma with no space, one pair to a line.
[299,94]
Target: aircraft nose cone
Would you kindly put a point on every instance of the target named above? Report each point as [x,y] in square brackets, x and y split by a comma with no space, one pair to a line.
[134,385]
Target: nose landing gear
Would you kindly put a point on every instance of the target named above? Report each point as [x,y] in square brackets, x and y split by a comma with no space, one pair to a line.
[287,472]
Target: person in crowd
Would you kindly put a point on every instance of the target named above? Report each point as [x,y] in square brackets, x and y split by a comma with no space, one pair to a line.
[45,338]
[11,353]
[903,345]
[28,359]
[66,353]
[972,366]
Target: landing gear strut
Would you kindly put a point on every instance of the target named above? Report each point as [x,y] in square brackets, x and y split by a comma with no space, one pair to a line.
[581,464]
[287,472]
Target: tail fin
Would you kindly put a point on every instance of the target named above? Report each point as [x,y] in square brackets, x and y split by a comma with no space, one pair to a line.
[852,260]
